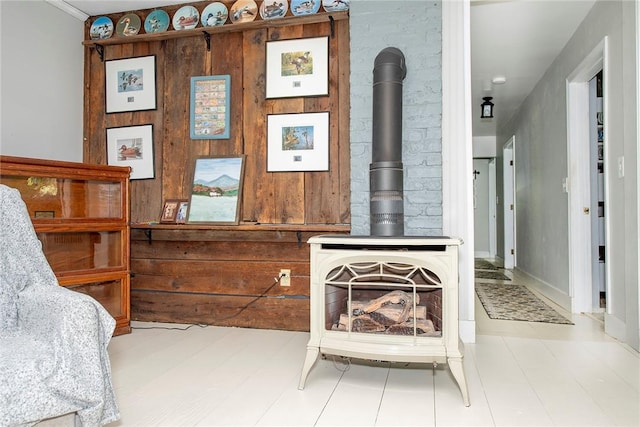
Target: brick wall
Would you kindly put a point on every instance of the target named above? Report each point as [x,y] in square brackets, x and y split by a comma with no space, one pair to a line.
[414,27]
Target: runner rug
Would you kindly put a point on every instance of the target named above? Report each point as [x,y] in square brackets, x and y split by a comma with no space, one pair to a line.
[483,264]
[516,302]
[493,275]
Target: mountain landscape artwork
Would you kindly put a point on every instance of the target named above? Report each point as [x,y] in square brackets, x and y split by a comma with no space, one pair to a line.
[215,193]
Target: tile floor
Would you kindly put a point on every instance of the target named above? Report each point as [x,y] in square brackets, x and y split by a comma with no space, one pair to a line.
[519,374]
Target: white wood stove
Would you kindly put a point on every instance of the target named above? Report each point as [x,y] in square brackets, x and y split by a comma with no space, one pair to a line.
[385,298]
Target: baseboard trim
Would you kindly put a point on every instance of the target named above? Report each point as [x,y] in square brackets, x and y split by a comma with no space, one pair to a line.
[615,327]
[549,291]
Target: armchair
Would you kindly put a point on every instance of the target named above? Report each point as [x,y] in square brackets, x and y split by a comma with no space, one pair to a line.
[53,341]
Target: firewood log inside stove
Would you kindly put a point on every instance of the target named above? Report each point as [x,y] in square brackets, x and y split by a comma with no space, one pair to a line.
[397,297]
[391,310]
[422,327]
[391,313]
[365,323]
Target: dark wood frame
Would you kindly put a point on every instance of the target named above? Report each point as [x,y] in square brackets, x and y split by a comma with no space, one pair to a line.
[219,162]
[170,219]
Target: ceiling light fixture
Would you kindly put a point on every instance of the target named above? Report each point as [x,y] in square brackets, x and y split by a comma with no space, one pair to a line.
[499,80]
[487,108]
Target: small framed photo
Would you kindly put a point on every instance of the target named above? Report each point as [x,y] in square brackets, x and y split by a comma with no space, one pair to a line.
[298,142]
[170,211]
[210,107]
[183,208]
[216,190]
[132,146]
[130,84]
[297,67]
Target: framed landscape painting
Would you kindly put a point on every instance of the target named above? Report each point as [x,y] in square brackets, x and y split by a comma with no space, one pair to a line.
[216,190]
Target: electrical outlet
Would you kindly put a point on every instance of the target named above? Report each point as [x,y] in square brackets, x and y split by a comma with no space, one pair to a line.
[285,277]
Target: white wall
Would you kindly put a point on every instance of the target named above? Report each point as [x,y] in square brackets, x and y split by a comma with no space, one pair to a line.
[484,146]
[540,127]
[41,81]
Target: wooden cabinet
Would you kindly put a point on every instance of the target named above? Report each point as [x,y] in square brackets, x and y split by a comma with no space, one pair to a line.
[81,215]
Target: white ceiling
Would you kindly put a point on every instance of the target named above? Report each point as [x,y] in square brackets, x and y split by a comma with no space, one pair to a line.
[105,7]
[517,39]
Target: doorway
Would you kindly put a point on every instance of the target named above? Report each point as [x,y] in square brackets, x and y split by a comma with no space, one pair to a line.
[509,202]
[484,207]
[583,234]
[597,208]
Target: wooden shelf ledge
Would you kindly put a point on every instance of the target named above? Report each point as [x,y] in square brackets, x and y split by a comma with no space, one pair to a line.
[337,228]
[227,28]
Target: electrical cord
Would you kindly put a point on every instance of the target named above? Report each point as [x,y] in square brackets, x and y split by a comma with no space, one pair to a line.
[262,295]
[171,328]
[243,308]
[347,363]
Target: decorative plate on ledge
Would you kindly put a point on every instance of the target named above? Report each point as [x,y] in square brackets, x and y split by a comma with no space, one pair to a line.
[305,7]
[273,9]
[102,28]
[156,22]
[128,25]
[243,11]
[214,14]
[335,5]
[186,18]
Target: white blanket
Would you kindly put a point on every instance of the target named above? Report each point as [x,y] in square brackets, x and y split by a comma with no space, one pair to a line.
[53,341]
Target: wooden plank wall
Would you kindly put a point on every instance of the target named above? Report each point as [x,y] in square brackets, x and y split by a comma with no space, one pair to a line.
[221,277]
[205,274]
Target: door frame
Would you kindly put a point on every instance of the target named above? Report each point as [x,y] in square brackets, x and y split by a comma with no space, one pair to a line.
[493,243]
[509,199]
[490,252]
[579,184]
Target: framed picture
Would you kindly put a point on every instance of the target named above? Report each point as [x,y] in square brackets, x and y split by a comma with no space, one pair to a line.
[297,67]
[183,208]
[170,211]
[210,107]
[216,190]
[130,84]
[132,146]
[298,142]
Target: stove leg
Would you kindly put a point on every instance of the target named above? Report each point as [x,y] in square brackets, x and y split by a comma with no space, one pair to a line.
[457,369]
[309,361]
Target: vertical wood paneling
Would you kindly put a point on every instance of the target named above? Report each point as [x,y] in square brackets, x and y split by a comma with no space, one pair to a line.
[344,104]
[322,186]
[184,274]
[184,58]
[257,184]
[230,61]
[288,187]
[146,192]
[268,197]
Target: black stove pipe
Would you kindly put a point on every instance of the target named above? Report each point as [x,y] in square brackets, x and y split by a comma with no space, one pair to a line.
[386,171]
